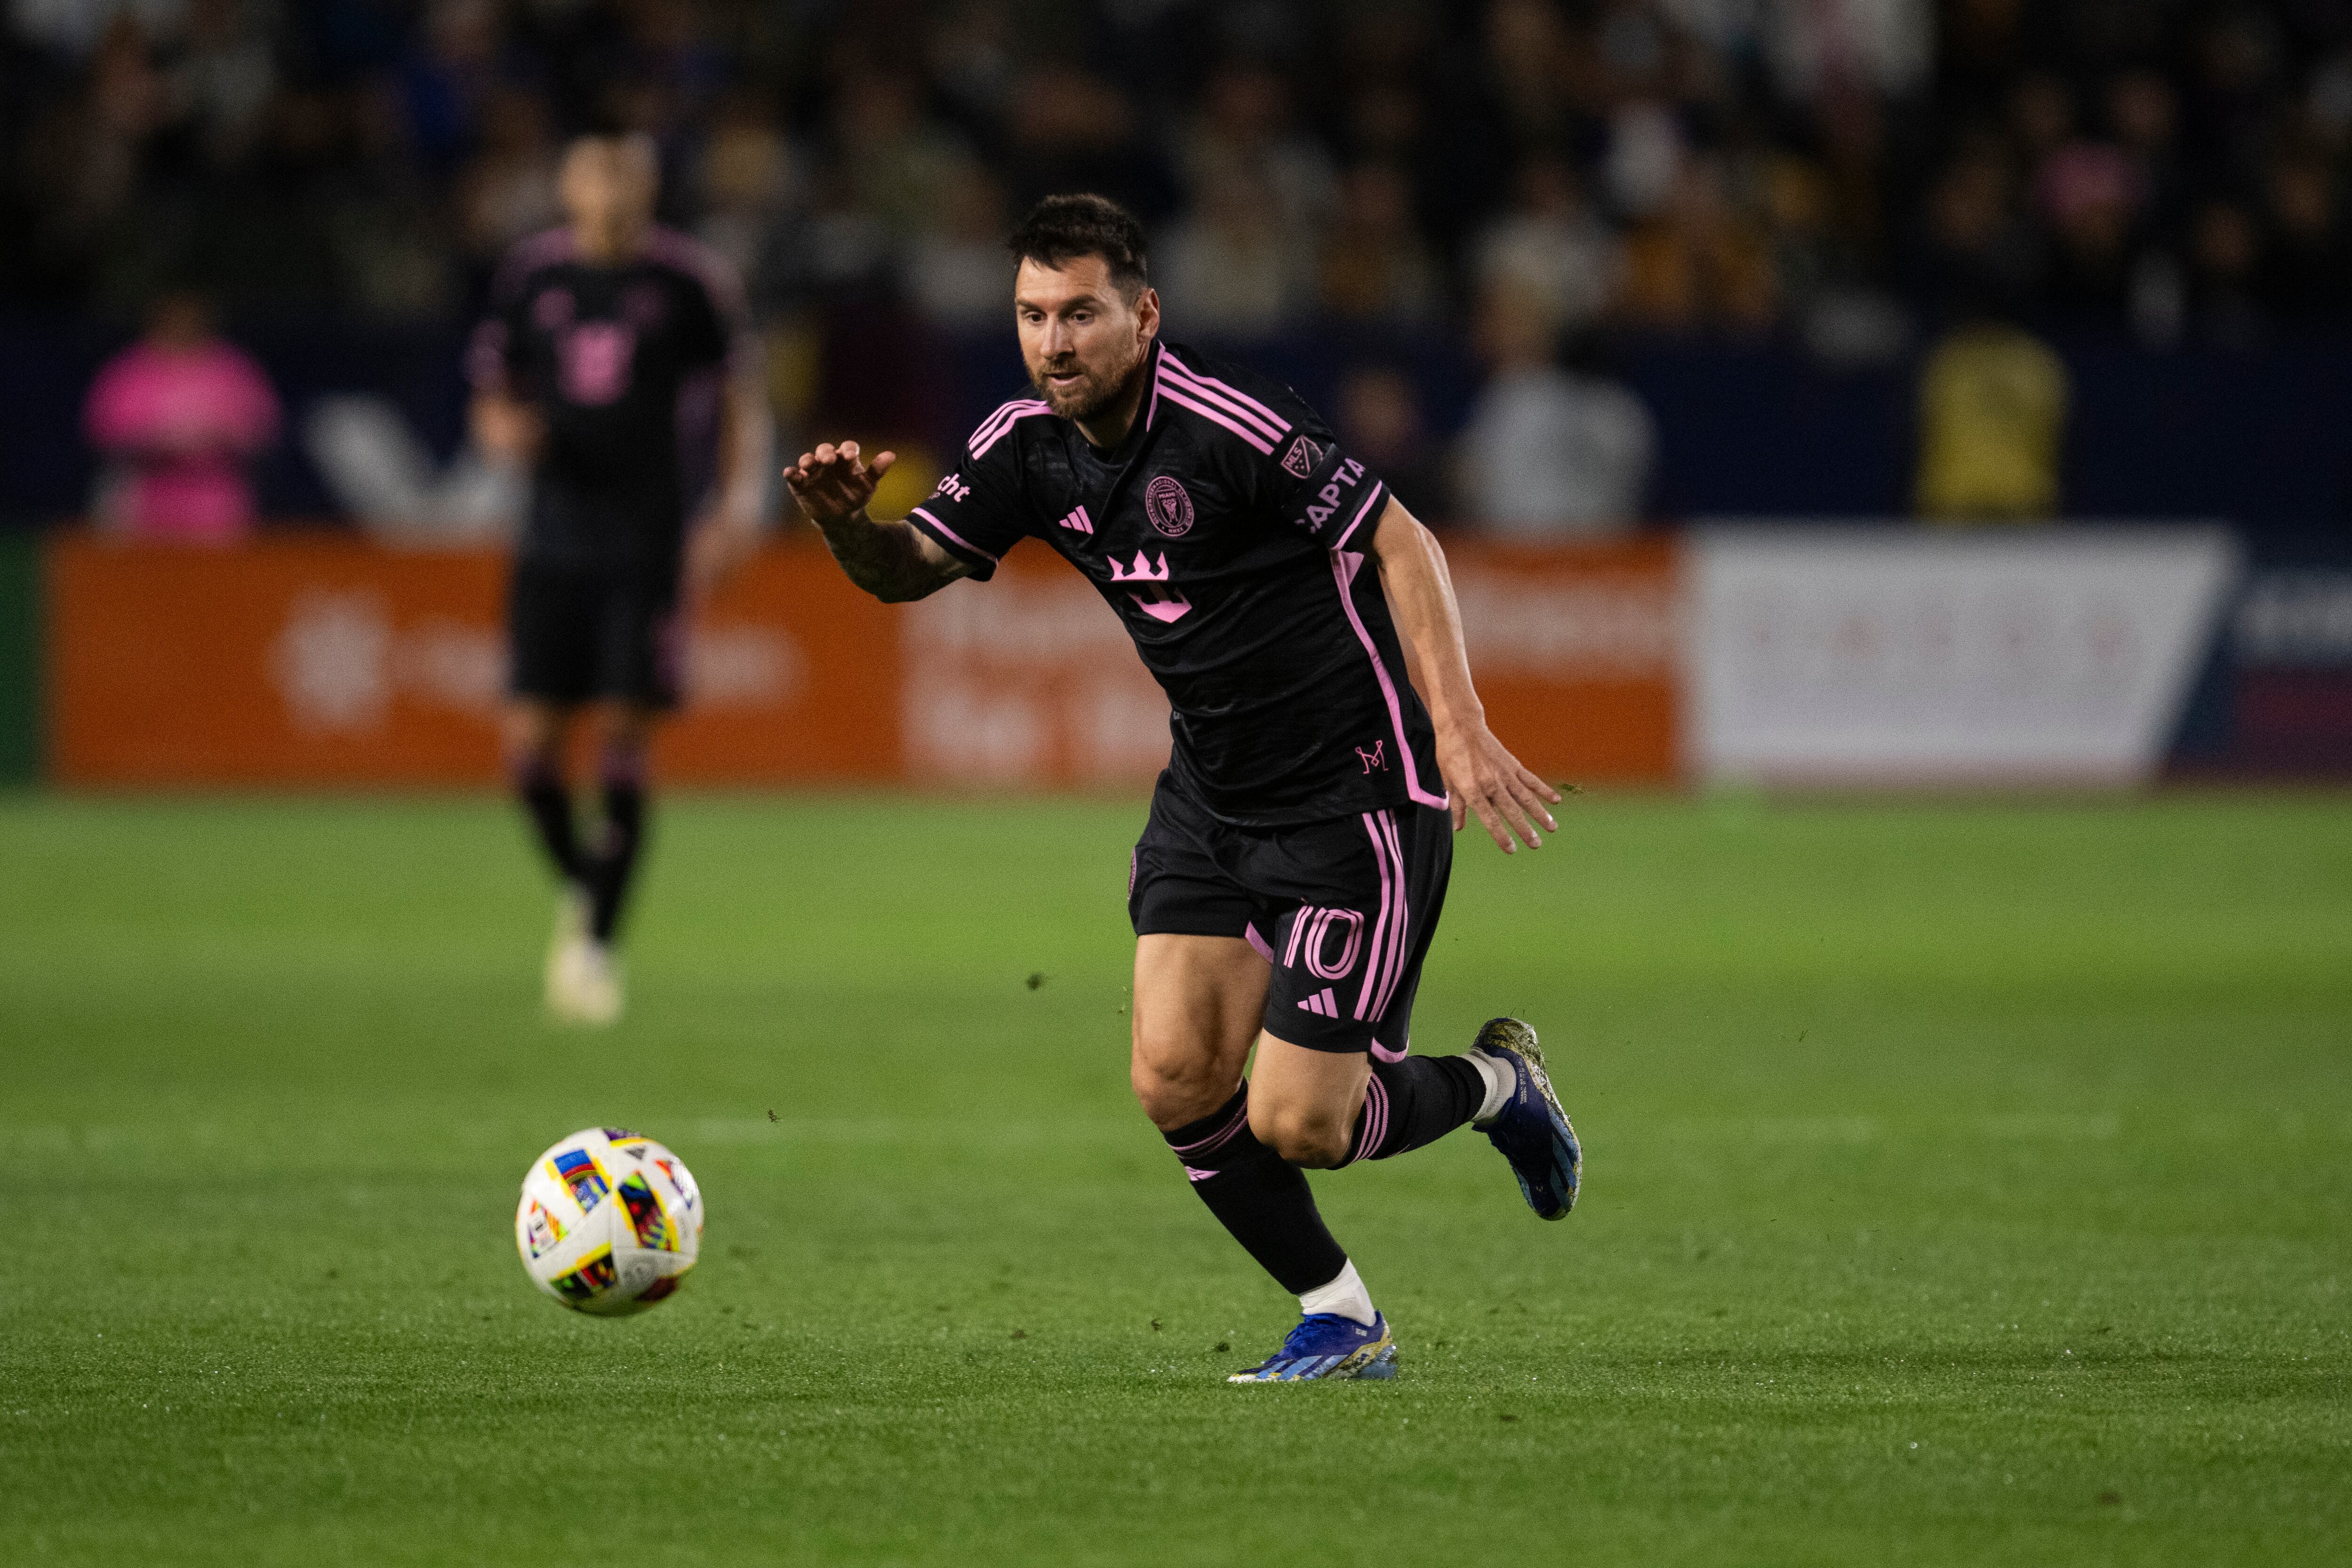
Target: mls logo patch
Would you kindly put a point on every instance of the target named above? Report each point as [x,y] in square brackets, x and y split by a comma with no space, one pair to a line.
[1169,509]
[1301,459]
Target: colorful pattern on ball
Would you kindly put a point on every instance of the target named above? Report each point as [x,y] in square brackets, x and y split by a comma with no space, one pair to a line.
[578,1170]
[647,1215]
[680,1179]
[541,1229]
[594,1275]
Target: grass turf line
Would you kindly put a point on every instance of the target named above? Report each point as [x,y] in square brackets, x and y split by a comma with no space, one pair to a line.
[1969,1183]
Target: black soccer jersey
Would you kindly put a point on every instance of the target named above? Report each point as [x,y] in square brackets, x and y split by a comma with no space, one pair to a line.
[623,364]
[1230,533]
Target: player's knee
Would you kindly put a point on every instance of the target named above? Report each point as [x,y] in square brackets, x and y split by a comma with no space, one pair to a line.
[1173,1089]
[1301,1136]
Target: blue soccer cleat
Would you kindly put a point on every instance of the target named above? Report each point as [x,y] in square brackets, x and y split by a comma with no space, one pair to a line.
[1326,1345]
[1532,1129]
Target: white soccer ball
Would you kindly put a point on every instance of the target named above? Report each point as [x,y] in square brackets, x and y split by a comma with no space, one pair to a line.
[610,1222]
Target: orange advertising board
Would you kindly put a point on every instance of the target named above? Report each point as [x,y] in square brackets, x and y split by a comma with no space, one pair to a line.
[335,661]
[1578,655]
[309,661]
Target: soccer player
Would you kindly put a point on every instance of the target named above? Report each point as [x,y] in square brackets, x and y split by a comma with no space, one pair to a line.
[605,340]
[1289,877]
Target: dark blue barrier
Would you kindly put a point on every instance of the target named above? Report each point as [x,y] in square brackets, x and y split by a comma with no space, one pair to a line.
[2262,438]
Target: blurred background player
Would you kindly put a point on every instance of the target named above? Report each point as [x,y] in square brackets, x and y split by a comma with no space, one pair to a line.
[179,414]
[608,342]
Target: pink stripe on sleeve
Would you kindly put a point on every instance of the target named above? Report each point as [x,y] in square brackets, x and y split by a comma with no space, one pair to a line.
[1217,393]
[1362,512]
[1232,397]
[952,534]
[993,428]
[1184,401]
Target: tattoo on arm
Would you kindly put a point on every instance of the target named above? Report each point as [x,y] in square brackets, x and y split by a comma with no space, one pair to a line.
[894,562]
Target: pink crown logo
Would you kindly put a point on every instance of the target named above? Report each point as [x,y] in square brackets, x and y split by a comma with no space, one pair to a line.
[1144,571]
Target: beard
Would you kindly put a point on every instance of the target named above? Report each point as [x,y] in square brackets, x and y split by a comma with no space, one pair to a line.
[1095,391]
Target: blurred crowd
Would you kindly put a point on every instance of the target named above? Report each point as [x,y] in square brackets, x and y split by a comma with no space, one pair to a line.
[1538,179]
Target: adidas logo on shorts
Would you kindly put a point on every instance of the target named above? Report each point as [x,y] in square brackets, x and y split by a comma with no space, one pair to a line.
[1322,1003]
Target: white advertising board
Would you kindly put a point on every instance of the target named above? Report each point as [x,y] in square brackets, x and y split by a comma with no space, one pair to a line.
[1895,654]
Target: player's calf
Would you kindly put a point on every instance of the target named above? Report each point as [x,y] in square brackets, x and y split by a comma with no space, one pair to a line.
[1415,1101]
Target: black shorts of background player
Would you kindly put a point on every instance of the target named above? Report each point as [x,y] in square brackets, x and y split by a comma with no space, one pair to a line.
[598,334]
[1286,886]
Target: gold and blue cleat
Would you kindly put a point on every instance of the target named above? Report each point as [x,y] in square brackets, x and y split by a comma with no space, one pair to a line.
[1532,1129]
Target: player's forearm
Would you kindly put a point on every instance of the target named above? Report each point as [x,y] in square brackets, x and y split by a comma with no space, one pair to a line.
[885,558]
[1419,593]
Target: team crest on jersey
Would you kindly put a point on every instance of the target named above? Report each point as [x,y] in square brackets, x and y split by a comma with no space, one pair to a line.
[1301,459]
[1169,509]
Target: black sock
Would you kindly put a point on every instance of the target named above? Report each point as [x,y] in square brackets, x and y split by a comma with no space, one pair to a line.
[1262,1199]
[1414,1101]
[540,788]
[616,856]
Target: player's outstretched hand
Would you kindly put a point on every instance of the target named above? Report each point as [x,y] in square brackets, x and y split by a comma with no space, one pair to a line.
[835,482]
[1485,778]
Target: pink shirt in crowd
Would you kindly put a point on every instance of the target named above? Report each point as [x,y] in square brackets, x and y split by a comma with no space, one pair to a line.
[183,420]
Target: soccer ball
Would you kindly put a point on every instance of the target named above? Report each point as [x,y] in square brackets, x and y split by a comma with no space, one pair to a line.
[610,1222]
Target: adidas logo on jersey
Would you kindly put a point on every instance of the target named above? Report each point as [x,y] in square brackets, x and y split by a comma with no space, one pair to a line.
[1322,1003]
[1078,521]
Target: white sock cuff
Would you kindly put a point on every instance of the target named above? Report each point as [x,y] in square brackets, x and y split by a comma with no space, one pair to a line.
[1345,1295]
[1501,1079]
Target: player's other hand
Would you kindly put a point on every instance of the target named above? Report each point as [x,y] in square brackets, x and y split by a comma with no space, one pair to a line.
[1485,778]
[836,482]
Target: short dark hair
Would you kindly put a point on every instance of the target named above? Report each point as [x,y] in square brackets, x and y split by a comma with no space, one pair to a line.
[1060,229]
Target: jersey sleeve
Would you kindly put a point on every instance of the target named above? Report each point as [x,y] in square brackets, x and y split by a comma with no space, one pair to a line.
[1296,472]
[978,513]
[1310,483]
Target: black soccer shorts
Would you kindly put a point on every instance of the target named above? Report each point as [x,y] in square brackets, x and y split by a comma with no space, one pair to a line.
[577,634]
[1343,910]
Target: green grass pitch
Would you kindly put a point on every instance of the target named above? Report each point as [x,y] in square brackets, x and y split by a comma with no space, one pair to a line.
[1967,1183]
